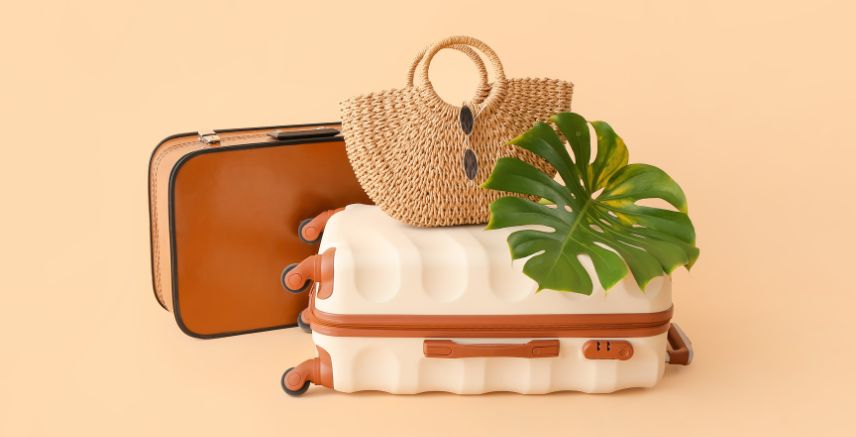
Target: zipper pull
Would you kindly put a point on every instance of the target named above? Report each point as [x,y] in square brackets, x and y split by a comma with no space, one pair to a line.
[209,137]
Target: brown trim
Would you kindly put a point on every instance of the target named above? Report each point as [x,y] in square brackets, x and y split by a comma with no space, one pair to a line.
[451,349]
[489,326]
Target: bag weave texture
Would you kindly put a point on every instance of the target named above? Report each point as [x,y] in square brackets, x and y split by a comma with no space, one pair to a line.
[407,145]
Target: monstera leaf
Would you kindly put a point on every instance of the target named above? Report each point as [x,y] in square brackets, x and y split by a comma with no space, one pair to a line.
[592,213]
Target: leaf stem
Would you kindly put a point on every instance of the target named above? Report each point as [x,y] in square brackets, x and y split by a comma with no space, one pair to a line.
[580,216]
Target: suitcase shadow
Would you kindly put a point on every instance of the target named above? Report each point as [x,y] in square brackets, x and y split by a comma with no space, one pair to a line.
[672,376]
[323,393]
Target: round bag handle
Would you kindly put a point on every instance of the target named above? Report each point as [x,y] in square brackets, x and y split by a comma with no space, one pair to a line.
[498,88]
[484,86]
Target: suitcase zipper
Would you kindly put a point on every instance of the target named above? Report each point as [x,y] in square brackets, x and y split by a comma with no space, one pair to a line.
[489,326]
[212,138]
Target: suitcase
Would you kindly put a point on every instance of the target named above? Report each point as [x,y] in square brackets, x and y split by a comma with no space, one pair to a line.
[408,310]
[224,206]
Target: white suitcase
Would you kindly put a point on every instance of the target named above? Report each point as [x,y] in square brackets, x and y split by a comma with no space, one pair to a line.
[407,310]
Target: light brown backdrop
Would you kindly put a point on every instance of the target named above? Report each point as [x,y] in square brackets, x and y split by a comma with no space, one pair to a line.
[748,106]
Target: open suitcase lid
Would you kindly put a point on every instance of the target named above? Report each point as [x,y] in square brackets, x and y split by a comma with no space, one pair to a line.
[225,207]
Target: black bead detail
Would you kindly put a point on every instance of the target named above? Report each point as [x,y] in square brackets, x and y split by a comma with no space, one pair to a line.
[471,164]
[466,119]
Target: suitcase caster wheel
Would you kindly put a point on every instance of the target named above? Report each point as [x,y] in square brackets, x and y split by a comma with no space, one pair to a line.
[291,392]
[300,229]
[284,280]
[302,323]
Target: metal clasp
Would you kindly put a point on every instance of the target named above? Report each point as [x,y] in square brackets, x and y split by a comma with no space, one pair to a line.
[209,137]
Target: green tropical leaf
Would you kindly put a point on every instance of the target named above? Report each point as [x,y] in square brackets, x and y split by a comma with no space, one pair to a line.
[593,213]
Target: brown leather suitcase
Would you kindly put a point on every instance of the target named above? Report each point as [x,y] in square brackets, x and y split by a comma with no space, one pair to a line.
[225,207]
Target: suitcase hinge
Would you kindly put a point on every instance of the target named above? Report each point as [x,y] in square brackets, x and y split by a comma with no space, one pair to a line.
[209,137]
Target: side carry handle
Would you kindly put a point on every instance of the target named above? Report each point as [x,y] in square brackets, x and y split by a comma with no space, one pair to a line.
[680,348]
[318,132]
[451,349]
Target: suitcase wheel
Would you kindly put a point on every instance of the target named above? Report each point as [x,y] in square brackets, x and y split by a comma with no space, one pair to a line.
[303,238]
[302,323]
[291,392]
[310,230]
[283,280]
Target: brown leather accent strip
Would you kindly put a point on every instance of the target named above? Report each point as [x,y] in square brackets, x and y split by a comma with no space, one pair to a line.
[489,326]
[608,350]
[451,349]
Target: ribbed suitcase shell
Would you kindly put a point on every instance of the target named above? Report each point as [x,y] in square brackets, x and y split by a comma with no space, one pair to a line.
[383,268]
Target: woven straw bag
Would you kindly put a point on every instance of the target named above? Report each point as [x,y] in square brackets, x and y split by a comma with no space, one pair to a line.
[422,160]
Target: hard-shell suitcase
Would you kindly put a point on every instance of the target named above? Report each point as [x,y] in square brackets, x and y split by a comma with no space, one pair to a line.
[407,310]
[224,209]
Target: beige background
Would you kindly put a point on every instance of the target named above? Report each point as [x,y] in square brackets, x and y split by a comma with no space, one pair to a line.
[748,106]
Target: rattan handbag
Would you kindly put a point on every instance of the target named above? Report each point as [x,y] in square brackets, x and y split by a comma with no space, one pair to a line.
[422,160]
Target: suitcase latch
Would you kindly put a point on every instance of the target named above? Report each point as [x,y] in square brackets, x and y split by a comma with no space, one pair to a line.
[608,350]
[209,137]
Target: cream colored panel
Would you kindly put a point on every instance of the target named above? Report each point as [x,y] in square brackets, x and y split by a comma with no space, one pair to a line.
[385,267]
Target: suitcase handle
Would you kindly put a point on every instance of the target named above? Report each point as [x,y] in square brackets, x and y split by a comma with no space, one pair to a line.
[680,348]
[450,349]
[302,134]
